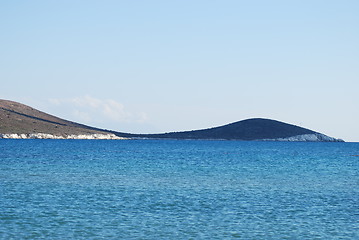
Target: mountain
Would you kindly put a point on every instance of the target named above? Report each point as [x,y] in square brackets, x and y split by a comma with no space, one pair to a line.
[20,121]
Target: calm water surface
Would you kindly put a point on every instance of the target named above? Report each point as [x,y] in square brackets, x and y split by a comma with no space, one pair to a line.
[168,189]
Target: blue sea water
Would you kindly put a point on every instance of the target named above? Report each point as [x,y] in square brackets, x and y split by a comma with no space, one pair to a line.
[174,189]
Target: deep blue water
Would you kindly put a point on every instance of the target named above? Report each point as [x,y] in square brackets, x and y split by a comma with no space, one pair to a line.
[168,189]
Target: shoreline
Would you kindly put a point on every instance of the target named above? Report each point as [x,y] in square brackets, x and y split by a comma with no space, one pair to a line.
[95,136]
[110,136]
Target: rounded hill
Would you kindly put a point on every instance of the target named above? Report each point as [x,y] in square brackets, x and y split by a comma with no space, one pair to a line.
[251,129]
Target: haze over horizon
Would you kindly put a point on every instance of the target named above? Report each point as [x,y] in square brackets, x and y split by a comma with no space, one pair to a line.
[161,66]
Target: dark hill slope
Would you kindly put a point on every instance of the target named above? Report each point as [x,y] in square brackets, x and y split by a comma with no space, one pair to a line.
[21,119]
[250,129]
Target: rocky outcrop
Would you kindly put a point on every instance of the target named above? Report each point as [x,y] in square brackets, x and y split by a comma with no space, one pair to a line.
[51,136]
[315,137]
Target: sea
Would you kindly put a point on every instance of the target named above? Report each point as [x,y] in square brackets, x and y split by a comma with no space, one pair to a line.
[178,189]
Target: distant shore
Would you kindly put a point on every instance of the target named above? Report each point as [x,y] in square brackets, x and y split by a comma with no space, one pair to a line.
[110,136]
[51,136]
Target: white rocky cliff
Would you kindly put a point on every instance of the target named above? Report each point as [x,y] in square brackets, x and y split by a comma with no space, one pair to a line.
[50,136]
[315,137]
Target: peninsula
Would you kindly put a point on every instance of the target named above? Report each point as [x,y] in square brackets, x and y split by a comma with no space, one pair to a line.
[20,121]
[255,129]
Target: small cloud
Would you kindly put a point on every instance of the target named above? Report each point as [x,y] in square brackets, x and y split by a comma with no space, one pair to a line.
[55,101]
[115,111]
[142,117]
[87,101]
[94,110]
[82,116]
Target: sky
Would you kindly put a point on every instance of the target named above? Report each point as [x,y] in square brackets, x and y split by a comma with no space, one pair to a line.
[162,66]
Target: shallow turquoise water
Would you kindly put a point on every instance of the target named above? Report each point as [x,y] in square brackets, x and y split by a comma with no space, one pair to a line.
[168,189]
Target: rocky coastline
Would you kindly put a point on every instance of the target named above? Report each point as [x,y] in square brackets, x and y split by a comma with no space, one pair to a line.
[316,137]
[95,136]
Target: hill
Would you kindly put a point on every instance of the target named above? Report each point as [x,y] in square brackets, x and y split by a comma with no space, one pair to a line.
[249,130]
[20,121]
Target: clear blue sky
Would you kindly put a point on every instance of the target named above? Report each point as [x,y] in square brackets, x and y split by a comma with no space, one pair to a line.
[158,66]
